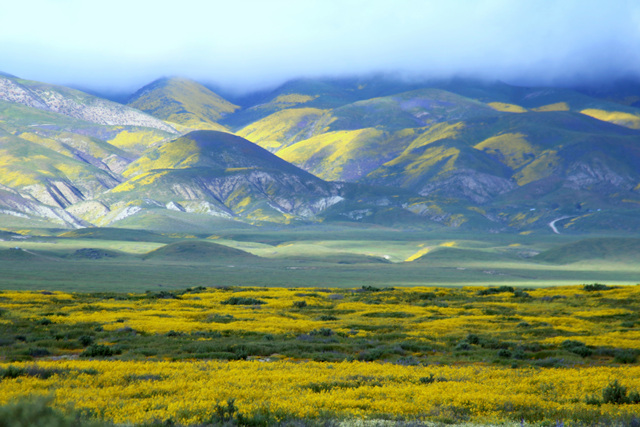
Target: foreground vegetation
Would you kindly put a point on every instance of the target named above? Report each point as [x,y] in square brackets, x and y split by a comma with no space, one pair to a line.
[262,356]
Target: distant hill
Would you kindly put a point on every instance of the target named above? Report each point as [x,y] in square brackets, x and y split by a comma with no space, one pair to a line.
[62,147]
[606,249]
[183,102]
[120,234]
[198,251]
[18,254]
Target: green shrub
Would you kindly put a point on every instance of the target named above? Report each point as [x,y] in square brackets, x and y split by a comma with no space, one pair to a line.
[98,350]
[12,372]
[428,380]
[38,352]
[162,295]
[37,412]
[593,287]
[504,353]
[463,346]
[626,356]
[388,315]
[519,293]
[221,318]
[577,347]
[299,304]
[614,393]
[473,339]
[519,354]
[371,355]
[492,291]
[86,340]
[224,413]
[325,332]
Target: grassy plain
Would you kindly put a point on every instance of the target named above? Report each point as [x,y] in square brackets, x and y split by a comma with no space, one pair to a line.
[311,256]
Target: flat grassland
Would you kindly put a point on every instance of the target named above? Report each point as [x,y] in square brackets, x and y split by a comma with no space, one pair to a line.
[130,260]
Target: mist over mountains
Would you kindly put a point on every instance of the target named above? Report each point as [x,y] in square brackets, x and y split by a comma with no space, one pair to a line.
[371,149]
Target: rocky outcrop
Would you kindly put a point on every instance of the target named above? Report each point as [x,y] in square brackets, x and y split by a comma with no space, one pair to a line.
[586,175]
[76,104]
[475,186]
[14,204]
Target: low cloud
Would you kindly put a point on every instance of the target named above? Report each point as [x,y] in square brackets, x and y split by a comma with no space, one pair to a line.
[252,44]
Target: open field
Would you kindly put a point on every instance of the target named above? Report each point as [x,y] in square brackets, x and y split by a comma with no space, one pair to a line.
[126,260]
[263,356]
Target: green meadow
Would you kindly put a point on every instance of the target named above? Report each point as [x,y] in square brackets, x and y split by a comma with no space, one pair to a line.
[96,259]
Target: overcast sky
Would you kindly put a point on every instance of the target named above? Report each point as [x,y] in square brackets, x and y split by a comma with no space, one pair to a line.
[246,45]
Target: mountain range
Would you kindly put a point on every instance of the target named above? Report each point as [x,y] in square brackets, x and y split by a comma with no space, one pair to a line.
[455,153]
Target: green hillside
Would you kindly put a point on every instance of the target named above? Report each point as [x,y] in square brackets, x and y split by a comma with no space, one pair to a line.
[106,233]
[599,249]
[287,127]
[319,93]
[199,251]
[222,175]
[509,98]
[183,102]
[209,149]
[47,176]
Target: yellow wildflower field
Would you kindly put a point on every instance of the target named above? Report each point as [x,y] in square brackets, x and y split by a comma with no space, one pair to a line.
[479,355]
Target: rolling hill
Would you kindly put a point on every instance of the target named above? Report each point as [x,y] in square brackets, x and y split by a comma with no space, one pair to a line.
[603,249]
[54,157]
[199,251]
[223,175]
[183,102]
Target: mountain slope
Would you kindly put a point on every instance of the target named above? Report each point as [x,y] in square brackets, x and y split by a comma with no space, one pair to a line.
[183,102]
[324,94]
[222,175]
[526,155]
[47,176]
[523,170]
[76,104]
[509,98]
[459,153]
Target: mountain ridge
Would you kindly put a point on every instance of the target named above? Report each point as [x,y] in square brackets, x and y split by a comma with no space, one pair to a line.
[458,153]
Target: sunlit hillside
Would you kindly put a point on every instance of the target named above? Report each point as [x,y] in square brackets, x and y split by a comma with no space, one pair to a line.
[183,102]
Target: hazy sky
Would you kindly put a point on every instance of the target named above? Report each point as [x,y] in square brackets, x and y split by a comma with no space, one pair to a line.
[124,44]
